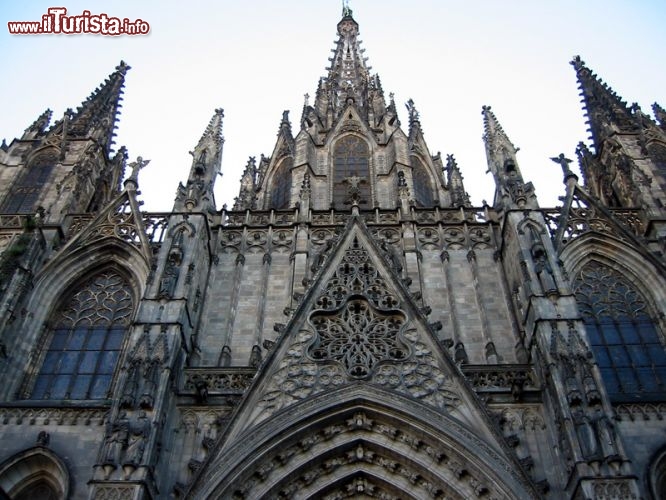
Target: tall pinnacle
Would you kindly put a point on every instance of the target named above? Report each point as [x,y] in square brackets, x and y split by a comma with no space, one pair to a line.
[206,165]
[97,115]
[348,74]
[511,191]
[606,112]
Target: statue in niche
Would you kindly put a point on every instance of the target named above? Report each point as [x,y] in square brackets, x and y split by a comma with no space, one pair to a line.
[543,269]
[589,385]
[571,383]
[149,384]
[170,274]
[605,431]
[138,432]
[255,356]
[586,435]
[127,399]
[117,434]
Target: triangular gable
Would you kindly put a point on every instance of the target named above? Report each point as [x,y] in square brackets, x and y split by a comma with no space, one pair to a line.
[121,219]
[358,325]
[582,213]
[350,121]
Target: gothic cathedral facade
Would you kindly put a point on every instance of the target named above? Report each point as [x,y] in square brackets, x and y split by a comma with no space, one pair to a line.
[352,328]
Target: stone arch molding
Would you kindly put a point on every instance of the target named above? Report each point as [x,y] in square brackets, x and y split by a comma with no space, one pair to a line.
[616,255]
[33,466]
[359,442]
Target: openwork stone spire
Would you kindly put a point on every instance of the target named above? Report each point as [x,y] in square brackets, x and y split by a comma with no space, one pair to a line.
[606,111]
[511,190]
[97,115]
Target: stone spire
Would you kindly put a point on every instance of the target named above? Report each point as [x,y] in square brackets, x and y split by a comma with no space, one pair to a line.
[606,112]
[206,165]
[97,115]
[511,191]
[459,197]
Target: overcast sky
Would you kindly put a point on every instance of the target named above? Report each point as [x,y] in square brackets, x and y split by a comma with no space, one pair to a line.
[258,58]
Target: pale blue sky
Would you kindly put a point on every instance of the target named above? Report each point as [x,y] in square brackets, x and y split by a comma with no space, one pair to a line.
[256,59]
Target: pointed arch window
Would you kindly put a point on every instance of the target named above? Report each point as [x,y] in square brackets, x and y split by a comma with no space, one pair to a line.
[623,334]
[422,188]
[281,192]
[24,193]
[85,338]
[351,159]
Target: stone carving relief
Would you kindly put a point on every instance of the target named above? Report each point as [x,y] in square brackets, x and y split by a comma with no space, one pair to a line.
[456,477]
[143,371]
[282,240]
[125,441]
[230,241]
[356,331]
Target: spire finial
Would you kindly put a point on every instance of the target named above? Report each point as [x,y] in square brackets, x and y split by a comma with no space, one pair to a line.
[346,9]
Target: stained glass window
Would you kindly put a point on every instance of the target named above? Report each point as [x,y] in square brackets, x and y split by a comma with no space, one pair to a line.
[282,185]
[24,193]
[86,337]
[624,337]
[422,188]
[351,158]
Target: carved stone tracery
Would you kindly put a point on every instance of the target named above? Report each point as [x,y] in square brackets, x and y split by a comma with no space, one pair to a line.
[356,331]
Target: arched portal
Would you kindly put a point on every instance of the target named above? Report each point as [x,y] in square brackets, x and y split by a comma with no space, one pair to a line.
[357,442]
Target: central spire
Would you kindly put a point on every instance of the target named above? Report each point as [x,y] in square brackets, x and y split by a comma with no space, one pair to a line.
[349,81]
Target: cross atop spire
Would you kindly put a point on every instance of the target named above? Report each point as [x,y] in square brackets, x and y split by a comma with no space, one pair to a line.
[346,9]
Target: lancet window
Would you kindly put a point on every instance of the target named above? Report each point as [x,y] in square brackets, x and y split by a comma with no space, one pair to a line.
[624,336]
[422,187]
[282,185]
[85,339]
[24,193]
[351,172]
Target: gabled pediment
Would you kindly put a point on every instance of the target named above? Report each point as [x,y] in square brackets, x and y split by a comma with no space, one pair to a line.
[581,213]
[120,221]
[358,328]
[350,121]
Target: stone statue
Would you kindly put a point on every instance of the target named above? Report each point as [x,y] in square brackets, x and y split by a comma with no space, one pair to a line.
[136,166]
[586,435]
[138,432]
[117,434]
[170,275]
[543,269]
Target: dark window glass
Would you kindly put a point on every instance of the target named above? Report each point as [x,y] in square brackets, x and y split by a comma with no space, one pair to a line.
[24,193]
[624,337]
[86,340]
[282,185]
[351,159]
[422,187]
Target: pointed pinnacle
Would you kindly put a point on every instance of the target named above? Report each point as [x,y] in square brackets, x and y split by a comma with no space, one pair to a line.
[493,131]
[214,128]
[603,107]
[99,112]
[40,124]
